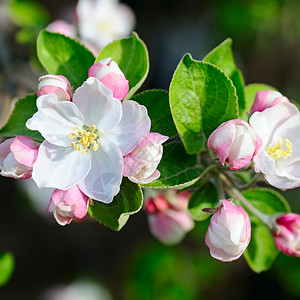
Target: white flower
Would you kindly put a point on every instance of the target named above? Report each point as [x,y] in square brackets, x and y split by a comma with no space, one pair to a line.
[85,140]
[102,21]
[278,158]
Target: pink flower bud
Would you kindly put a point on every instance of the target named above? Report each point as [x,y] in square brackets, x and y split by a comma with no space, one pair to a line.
[109,73]
[57,85]
[229,232]
[69,204]
[287,238]
[61,26]
[141,163]
[168,216]
[235,143]
[17,156]
[266,99]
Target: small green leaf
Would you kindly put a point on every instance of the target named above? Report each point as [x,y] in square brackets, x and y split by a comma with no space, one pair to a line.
[131,55]
[62,55]
[204,197]
[201,98]
[177,168]
[222,57]
[27,13]
[127,202]
[261,252]
[251,90]
[157,104]
[26,35]
[7,264]
[23,110]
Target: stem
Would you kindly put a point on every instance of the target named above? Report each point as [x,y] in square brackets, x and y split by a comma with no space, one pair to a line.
[233,192]
[220,188]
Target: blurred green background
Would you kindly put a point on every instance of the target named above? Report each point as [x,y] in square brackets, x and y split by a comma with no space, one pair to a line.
[131,264]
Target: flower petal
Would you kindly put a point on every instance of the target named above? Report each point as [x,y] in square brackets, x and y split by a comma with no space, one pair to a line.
[105,177]
[133,127]
[266,122]
[95,101]
[60,167]
[25,150]
[55,119]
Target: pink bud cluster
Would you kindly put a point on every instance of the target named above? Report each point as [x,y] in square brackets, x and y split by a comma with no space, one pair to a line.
[168,217]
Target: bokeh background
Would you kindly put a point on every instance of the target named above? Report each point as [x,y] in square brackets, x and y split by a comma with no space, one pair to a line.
[85,258]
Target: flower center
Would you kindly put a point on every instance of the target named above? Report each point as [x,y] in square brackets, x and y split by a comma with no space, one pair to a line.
[85,138]
[278,150]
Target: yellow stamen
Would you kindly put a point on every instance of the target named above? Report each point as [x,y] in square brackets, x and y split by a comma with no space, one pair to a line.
[95,147]
[277,151]
[84,138]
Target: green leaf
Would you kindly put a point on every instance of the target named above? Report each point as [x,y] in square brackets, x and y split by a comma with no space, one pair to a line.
[201,98]
[251,90]
[177,168]
[267,201]
[262,251]
[7,264]
[26,35]
[62,55]
[23,110]
[27,13]
[222,57]
[127,202]
[157,104]
[131,55]
[204,197]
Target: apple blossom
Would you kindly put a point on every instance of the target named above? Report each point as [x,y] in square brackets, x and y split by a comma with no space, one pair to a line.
[17,156]
[102,21]
[229,232]
[57,85]
[67,205]
[168,216]
[109,73]
[141,163]
[235,142]
[85,140]
[279,156]
[265,99]
[287,236]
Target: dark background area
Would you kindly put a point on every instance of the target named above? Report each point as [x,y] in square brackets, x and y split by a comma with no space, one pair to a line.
[130,263]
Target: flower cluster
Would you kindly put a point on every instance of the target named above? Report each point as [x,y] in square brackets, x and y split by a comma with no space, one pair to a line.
[269,140]
[91,140]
